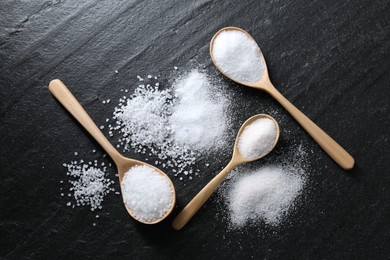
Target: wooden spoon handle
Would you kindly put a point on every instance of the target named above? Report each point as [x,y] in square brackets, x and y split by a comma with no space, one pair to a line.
[330,146]
[66,98]
[194,205]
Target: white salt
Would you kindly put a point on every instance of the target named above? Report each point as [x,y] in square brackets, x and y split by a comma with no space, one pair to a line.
[257,139]
[173,124]
[89,184]
[266,193]
[146,193]
[238,56]
[198,119]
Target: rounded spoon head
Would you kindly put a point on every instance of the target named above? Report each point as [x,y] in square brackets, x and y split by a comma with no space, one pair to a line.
[124,165]
[262,76]
[237,157]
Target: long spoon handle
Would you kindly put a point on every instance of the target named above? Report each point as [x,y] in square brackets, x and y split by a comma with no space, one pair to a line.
[330,146]
[66,98]
[194,205]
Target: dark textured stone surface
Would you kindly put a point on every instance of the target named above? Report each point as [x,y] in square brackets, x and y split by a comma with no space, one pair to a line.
[330,58]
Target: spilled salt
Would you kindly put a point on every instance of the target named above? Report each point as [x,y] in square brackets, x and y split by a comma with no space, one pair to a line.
[146,193]
[198,118]
[89,184]
[266,193]
[238,56]
[257,139]
[175,124]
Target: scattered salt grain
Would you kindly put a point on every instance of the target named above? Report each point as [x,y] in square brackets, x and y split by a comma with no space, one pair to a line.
[76,153]
[116,71]
[89,184]
[238,56]
[146,193]
[257,139]
[176,68]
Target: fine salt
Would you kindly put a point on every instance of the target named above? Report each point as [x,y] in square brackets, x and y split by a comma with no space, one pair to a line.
[146,193]
[257,139]
[238,56]
[266,193]
[198,118]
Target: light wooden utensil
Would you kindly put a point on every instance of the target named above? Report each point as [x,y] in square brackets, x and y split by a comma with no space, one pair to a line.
[333,149]
[194,205]
[123,164]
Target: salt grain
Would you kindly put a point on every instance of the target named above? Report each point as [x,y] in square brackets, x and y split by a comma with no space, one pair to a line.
[198,119]
[238,56]
[266,193]
[174,124]
[257,139]
[147,193]
[89,184]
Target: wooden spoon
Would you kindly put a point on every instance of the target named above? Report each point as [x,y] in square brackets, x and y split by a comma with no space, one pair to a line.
[333,149]
[123,164]
[194,205]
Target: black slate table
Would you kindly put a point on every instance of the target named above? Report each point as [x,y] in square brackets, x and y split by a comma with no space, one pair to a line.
[330,58]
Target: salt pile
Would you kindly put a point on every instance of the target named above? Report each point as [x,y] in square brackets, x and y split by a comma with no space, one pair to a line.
[238,56]
[176,124]
[198,119]
[257,139]
[146,193]
[90,184]
[266,193]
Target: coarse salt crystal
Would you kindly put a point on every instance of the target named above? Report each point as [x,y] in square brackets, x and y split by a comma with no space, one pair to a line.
[147,193]
[174,123]
[89,184]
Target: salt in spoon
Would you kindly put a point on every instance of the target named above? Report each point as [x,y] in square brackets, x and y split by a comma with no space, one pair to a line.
[237,158]
[330,146]
[123,164]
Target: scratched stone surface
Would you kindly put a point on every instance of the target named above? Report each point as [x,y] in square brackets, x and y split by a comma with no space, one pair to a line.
[329,58]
